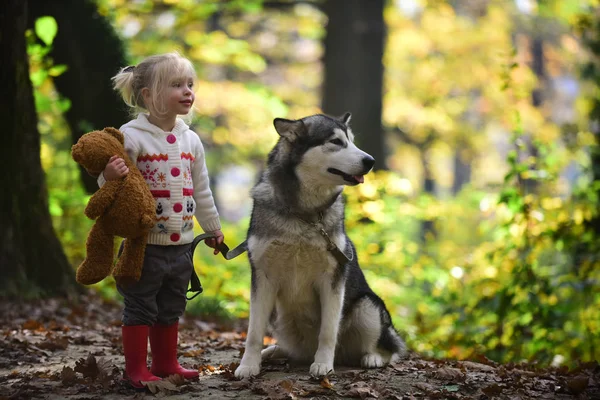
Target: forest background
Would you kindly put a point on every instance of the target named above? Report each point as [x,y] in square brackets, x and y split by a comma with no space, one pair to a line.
[479,227]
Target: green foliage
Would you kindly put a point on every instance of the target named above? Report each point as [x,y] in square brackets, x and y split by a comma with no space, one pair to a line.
[66,197]
[512,269]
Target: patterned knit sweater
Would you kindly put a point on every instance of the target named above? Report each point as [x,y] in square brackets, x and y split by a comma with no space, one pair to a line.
[173,165]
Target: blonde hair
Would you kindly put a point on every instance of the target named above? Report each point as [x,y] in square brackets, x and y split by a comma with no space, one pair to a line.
[155,73]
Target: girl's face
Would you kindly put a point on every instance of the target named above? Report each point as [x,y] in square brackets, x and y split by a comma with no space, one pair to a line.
[179,96]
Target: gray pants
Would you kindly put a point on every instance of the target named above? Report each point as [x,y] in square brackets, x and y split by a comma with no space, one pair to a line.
[159,295]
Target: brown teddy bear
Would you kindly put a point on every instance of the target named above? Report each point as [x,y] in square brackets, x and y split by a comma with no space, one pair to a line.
[123,207]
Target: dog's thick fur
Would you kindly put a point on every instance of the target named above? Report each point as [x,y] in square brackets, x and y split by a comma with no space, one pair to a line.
[321,309]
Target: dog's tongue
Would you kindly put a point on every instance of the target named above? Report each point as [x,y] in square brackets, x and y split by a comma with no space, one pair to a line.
[359,178]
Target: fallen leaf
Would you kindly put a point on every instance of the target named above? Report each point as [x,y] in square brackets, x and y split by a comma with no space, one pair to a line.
[578,384]
[287,384]
[449,374]
[87,367]
[492,390]
[451,388]
[361,390]
[32,325]
[53,344]
[477,366]
[162,386]
[68,376]
[176,379]
[326,384]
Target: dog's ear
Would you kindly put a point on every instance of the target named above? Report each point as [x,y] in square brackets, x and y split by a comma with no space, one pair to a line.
[346,118]
[290,129]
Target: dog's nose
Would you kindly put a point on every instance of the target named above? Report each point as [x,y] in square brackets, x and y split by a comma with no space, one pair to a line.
[368,162]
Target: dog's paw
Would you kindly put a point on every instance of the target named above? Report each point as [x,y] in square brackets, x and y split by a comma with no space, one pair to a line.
[246,371]
[372,361]
[320,369]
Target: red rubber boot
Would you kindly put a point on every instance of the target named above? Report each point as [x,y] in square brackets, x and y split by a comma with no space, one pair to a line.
[135,349]
[163,343]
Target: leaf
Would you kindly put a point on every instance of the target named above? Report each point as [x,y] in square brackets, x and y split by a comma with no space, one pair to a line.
[477,366]
[53,344]
[163,386]
[578,384]
[176,379]
[449,374]
[46,29]
[107,371]
[326,384]
[451,388]
[87,367]
[32,325]
[68,376]
[492,390]
[57,70]
[362,390]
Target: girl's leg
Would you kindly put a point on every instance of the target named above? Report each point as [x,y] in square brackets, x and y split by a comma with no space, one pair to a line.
[171,303]
[140,312]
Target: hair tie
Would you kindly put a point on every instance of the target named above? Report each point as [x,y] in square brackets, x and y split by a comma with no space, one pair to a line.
[129,68]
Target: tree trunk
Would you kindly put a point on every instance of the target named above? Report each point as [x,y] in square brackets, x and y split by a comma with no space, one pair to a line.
[428,230]
[462,169]
[88,45]
[32,262]
[353,78]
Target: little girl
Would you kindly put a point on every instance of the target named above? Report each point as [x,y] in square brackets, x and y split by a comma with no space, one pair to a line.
[171,158]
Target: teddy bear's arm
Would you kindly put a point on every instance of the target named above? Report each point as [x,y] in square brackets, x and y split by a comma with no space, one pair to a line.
[102,199]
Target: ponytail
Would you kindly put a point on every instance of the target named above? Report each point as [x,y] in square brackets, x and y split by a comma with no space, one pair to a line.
[123,83]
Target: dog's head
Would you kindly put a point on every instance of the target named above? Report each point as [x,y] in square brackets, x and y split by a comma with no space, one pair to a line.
[321,151]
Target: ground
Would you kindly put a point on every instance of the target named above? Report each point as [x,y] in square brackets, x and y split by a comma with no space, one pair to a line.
[58,349]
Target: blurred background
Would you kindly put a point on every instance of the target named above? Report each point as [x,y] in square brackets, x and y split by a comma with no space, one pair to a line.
[479,227]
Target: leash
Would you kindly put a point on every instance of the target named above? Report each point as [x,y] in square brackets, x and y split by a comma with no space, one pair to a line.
[195,285]
[338,254]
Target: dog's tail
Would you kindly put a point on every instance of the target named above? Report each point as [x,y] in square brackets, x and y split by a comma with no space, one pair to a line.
[391,341]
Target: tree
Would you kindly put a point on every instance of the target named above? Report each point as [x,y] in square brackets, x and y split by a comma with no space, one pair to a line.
[88,45]
[31,258]
[353,79]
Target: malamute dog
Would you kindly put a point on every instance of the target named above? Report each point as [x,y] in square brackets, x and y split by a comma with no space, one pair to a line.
[305,276]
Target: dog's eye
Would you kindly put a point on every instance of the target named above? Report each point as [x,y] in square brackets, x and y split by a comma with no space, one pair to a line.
[337,142]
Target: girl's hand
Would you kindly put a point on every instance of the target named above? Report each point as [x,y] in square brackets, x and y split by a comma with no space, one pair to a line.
[213,242]
[115,169]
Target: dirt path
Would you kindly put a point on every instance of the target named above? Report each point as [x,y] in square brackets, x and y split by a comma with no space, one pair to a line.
[57,350]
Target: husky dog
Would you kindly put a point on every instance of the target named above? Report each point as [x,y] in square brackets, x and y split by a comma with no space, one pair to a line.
[305,277]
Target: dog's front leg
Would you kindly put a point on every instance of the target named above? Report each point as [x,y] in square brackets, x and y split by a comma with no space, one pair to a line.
[262,301]
[332,299]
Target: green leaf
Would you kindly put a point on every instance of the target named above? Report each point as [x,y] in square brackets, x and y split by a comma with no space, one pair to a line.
[38,77]
[46,29]
[57,70]
[451,388]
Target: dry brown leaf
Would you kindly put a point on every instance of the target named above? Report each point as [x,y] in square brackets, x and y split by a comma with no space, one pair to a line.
[193,353]
[578,384]
[87,367]
[68,376]
[162,386]
[492,390]
[32,325]
[361,390]
[477,366]
[106,371]
[287,384]
[53,343]
[326,384]
[449,374]
[175,379]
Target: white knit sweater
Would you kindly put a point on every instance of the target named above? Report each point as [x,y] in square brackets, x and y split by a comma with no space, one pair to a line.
[173,165]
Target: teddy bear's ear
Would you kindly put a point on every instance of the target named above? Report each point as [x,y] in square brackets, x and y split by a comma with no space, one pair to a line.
[116,133]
